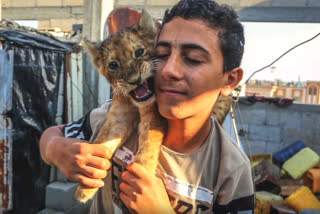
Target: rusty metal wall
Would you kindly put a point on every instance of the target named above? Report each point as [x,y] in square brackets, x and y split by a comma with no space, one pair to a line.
[6,77]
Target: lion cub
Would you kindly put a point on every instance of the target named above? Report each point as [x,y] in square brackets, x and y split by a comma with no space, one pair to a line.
[125,59]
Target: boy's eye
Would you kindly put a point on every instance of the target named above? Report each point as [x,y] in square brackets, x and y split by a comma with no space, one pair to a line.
[113,65]
[139,52]
[192,61]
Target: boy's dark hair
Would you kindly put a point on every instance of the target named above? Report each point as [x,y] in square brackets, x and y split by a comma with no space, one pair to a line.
[220,17]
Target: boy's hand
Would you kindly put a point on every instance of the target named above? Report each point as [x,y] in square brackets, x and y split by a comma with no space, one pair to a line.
[142,192]
[80,161]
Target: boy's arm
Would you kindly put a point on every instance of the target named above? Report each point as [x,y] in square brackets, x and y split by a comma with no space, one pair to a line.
[79,160]
[46,138]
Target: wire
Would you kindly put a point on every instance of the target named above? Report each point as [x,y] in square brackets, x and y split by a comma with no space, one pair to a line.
[86,102]
[79,91]
[235,126]
[267,66]
[250,155]
[96,101]
[242,127]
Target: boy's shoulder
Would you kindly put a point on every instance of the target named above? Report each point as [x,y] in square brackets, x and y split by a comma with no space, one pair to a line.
[234,187]
[85,127]
[98,116]
[230,151]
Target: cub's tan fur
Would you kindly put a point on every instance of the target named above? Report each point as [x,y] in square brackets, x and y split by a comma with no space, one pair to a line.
[222,108]
[125,59]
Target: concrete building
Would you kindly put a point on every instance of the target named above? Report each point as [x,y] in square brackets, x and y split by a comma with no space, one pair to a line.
[312,92]
[60,14]
[291,92]
[63,14]
[308,94]
[258,88]
[270,128]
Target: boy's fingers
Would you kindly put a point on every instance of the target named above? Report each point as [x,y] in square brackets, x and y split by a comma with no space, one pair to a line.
[128,202]
[138,170]
[126,189]
[131,180]
[98,162]
[94,173]
[128,177]
[101,151]
[88,182]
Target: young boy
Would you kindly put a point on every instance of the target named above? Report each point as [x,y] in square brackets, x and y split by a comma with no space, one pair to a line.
[201,170]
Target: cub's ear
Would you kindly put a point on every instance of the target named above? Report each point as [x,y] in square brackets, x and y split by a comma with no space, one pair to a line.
[146,25]
[94,49]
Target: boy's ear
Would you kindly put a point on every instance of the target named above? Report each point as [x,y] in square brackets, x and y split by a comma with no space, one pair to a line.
[231,80]
[94,49]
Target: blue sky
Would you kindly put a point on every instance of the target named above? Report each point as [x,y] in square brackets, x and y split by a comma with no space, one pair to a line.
[267,41]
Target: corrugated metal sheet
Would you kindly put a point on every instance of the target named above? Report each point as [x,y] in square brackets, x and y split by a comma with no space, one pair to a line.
[60,105]
[84,92]
[6,77]
[75,87]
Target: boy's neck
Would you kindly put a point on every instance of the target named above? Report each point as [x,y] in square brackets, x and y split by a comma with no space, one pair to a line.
[188,135]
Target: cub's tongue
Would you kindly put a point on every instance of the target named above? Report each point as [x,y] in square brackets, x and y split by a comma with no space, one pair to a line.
[141,91]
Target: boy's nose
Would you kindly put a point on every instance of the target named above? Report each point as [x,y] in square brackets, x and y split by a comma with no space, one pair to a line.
[172,68]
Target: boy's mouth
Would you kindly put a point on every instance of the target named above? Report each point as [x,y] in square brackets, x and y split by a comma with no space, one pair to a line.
[144,91]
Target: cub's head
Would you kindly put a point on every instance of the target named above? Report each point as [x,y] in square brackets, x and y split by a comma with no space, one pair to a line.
[125,59]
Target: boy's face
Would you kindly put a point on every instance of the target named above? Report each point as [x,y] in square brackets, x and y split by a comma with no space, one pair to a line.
[190,75]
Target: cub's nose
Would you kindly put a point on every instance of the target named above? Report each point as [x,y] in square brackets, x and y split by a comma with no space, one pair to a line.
[134,79]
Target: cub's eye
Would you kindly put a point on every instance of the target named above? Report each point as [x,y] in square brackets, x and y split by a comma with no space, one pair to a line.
[113,65]
[139,52]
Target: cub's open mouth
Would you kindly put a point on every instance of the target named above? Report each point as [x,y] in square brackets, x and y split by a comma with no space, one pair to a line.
[144,91]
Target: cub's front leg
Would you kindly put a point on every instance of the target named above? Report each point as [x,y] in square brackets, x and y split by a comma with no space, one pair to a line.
[122,118]
[152,130]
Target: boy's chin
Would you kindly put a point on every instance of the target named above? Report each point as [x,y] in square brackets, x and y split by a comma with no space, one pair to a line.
[170,113]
